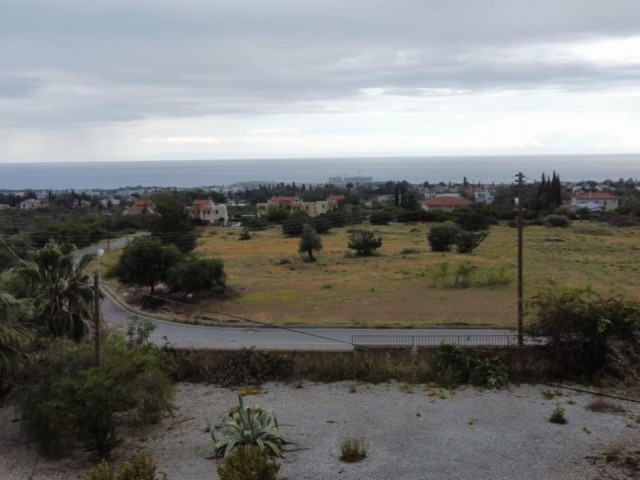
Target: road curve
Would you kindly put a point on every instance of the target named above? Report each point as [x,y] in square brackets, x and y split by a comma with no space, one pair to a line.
[276,337]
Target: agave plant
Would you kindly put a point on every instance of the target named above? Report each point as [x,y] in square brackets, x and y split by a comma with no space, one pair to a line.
[248,426]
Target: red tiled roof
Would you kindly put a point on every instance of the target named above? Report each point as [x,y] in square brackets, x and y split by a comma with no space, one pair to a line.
[447,202]
[202,201]
[596,196]
[142,202]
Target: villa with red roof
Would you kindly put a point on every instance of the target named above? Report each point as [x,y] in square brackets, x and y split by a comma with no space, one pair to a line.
[142,206]
[445,202]
[595,201]
[205,211]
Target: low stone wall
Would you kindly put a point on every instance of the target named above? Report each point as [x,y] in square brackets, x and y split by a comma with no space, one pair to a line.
[374,364]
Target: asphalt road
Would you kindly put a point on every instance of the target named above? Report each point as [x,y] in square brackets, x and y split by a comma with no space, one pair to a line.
[289,338]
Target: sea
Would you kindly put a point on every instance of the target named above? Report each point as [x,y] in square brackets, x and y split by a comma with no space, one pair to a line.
[207,173]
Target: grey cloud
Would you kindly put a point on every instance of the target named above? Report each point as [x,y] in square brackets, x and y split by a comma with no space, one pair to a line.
[130,60]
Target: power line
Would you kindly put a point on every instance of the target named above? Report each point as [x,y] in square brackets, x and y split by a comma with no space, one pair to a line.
[257,322]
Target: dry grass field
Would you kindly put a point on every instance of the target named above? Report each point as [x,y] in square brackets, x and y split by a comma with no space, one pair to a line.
[395,287]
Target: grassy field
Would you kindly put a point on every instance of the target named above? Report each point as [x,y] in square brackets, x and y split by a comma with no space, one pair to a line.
[396,287]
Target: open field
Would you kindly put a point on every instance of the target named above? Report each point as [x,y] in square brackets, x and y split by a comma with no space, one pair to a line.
[396,286]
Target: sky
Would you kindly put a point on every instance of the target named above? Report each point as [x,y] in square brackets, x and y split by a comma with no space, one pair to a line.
[100,80]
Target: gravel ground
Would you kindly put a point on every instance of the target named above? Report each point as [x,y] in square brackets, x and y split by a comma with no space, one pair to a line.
[427,434]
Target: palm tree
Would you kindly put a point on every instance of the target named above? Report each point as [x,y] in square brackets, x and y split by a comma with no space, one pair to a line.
[61,290]
[14,334]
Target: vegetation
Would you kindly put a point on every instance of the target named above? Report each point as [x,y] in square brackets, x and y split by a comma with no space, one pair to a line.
[353,449]
[248,426]
[557,416]
[309,242]
[173,224]
[248,462]
[293,226]
[364,242]
[589,333]
[146,261]
[61,290]
[196,274]
[139,467]
[68,399]
[455,366]
[442,236]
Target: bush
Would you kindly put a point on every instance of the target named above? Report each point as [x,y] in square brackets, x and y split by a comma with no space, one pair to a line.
[364,242]
[467,242]
[67,399]
[557,416]
[472,220]
[583,328]
[380,217]
[556,221]
[456,366]
[248,463]
[245,234]
[139,467]
[321,224]
[442,236]
[196,274]
[353,449]
[294,225]
[277,214]
[250,367]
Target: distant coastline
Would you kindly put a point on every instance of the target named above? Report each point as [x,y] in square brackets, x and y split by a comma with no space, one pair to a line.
[194,173]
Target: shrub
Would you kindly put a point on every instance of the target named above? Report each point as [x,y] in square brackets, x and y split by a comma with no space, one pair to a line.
[455,366]
[442,236]
[472,220]
[585,330]
[245,234]
[276,214]
[294,225]
[463,275]
[557,416]
[380,217]
[250,367]
[353,449]
[364,242]
[321,224]
[467,242]
[196,274]
[248,426]
[139,467]
[67,399]
[556,221]
[248,463]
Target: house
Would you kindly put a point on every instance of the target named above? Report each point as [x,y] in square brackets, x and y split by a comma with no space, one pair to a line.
[4,206]
[294,203]
[445,202]
[142,206]
[206,211]
[595,201]
[335,201]
[32,203]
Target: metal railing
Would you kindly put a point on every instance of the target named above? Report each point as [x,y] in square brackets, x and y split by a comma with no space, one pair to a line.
[408,341]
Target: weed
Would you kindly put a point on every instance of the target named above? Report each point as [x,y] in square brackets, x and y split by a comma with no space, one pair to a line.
[604,406]
[586,429]
[407,388]
[472,421]
[283,261]
[353,449]
[250,390]
[248,463]
[557,416]
[327,286]
[612,453]
[549,394]
[409,251]
[571,401]
[418,414]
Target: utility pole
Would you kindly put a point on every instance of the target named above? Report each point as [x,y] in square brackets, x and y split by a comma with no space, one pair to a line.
[96,314]
[520,267]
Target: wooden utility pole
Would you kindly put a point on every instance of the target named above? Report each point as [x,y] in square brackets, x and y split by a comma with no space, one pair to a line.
[520,267]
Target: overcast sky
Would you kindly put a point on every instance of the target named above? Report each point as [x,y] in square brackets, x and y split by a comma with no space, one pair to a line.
[213,79]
